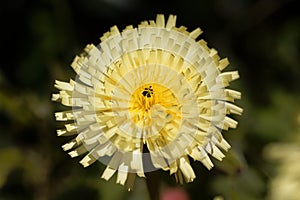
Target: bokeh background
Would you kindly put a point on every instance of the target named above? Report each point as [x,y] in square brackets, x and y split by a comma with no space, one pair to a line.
[39,39]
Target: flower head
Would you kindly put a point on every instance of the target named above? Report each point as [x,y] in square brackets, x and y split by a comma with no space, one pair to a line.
[286,182]
[147,98]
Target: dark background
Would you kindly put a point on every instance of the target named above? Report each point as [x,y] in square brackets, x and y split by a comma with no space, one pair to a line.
[39,39]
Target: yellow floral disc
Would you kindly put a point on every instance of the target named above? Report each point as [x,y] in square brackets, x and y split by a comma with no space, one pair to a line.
[146,99]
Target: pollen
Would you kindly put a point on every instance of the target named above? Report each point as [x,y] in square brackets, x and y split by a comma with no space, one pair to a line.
[154,105]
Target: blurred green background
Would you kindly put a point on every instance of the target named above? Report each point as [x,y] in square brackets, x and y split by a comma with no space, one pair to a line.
[39,39]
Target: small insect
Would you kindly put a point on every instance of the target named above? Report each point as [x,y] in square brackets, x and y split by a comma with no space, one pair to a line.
[147,92]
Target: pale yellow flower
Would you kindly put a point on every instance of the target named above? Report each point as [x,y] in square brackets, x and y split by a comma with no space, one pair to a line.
[147,98]
[286,183]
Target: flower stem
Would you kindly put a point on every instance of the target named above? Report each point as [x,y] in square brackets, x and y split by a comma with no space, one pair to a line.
[152,181]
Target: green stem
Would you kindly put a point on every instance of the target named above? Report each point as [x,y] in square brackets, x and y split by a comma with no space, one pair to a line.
[153,185]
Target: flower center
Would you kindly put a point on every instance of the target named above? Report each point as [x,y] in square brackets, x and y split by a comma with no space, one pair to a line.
[153,104]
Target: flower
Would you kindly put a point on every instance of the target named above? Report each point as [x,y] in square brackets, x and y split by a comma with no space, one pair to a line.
[148,98]
[286,182]
[174,194]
